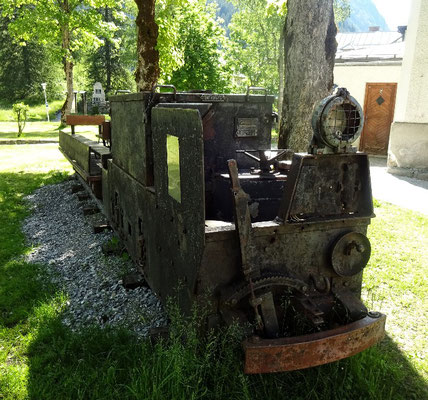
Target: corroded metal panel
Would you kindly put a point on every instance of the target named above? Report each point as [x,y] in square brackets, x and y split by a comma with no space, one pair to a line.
[131,138]
[179,229]
[327,186]
[131,215]
[302,251]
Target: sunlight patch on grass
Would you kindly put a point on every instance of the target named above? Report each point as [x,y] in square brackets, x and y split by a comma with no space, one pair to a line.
[34,158]
[36,112]
[42,131]
[396,278]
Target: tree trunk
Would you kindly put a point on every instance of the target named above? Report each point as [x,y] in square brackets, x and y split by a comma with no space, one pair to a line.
[68,70]
[107,54]
[147,72]
[67,63]
[281,74]
[310,49]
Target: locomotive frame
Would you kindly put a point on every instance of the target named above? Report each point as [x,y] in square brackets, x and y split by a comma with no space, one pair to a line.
[277,245]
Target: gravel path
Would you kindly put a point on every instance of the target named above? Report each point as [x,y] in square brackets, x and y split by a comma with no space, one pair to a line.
[63,240]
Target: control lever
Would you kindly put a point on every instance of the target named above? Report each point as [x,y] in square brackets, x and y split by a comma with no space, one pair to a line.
[262,159]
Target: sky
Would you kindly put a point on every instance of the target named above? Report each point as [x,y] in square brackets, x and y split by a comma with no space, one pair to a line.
[395,12]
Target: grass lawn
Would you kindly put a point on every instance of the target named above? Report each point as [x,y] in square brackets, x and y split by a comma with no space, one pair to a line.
[42,131]
[41,359]
[36,112]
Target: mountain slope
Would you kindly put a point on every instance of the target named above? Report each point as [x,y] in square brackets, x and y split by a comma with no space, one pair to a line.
[363,15]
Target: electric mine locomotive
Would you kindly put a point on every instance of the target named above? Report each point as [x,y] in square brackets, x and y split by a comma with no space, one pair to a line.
[211,214]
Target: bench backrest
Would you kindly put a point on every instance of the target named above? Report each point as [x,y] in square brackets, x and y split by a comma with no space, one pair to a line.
[74,119]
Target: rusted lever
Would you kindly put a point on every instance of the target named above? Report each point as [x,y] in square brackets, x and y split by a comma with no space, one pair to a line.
[262,159]
[263,301]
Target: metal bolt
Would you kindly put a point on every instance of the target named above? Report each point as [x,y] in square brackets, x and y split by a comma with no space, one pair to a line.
[374,314]
[360,248]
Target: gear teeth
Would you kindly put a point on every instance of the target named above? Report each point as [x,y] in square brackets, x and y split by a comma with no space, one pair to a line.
[264,281]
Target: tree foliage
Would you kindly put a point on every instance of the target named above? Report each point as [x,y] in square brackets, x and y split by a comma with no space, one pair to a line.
[342,10]
[253,50]
[113,62]
[191,43]
[64,25]
[99,39]
[23,67]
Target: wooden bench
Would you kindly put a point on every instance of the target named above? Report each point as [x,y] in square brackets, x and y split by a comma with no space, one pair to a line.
[97,120]
[74,119]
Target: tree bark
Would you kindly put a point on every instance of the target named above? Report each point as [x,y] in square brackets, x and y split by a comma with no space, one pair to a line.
[107,48]
[147,72]
[68,70]
[310,49]
[281,75]
[67,64]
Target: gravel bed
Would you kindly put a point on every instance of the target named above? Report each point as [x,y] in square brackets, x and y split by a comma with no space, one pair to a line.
[63,240]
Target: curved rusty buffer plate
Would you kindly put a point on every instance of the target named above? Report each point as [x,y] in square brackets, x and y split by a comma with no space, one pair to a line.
[292,353]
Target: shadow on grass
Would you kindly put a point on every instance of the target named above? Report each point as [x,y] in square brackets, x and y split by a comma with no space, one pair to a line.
[21,294]
[13,209]
[101,364]
[114,365]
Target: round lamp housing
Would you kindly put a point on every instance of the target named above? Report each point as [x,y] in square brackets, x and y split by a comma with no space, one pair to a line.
[337,121]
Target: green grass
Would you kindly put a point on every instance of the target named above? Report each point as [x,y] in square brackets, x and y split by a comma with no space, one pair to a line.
[36,113]
[36,127]
[41,359]
[42,131]
[396,278]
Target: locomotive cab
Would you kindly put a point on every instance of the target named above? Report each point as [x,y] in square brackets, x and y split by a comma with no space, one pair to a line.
[285,243]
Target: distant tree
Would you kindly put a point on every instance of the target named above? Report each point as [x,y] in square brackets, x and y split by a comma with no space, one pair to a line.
[342,10]
[254,47]
[113,62]
[310,49]
[23,67]
[190,45]
[200,42]
[20,113]
[73,23]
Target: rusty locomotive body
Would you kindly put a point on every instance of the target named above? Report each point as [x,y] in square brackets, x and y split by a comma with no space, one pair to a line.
[211,214]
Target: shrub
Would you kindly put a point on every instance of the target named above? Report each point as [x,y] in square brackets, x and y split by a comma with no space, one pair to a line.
[20,112]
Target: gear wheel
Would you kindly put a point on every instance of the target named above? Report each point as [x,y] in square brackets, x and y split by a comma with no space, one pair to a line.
[233,296]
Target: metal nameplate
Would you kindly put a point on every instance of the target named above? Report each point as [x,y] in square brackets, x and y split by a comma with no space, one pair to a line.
[247,127]
[210,97]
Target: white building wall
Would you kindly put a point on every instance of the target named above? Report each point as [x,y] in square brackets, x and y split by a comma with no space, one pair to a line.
[412,96]
[354,76]
[408,144]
